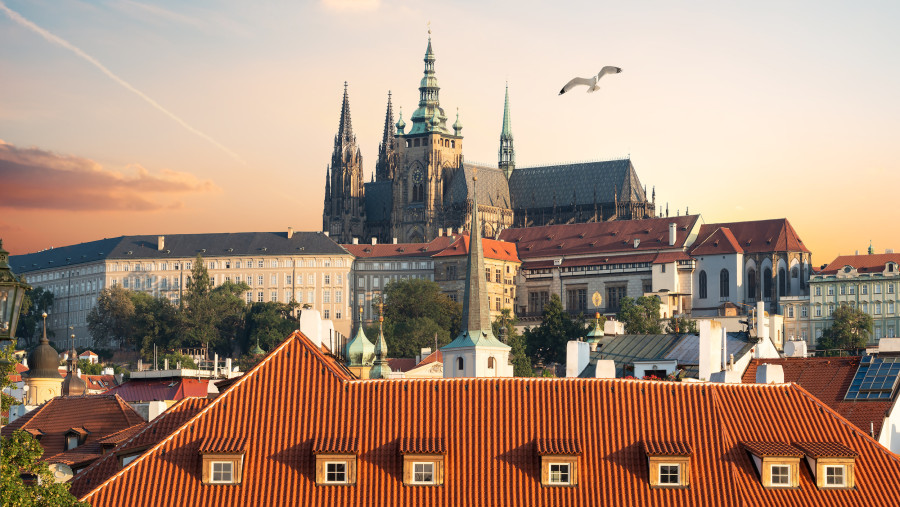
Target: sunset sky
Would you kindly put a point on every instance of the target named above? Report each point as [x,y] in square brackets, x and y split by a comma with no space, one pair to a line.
[129,117]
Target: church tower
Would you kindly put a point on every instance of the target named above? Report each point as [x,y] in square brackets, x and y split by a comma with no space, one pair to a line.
[345,211]
[428,156]
[387,158]
[507,152]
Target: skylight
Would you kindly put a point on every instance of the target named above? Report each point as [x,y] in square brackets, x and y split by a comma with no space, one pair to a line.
[875,379]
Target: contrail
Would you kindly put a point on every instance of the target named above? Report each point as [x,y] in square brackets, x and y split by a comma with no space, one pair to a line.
[15,16]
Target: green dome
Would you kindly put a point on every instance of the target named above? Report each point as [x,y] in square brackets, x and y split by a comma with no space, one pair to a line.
[359,351]
[596,333]
[257,350]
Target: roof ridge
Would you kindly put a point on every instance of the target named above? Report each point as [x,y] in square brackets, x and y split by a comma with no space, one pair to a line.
[724,436]
[198,415]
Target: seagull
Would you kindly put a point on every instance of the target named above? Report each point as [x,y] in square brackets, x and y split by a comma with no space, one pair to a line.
[591,82]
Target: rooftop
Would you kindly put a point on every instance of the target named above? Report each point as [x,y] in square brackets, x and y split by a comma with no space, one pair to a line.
[754,236]
[874,263]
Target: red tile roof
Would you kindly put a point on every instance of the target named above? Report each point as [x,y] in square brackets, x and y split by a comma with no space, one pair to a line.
[493,249]
[659,448]
[599,237]
[400,249]
[825,450]
[828,380]
[97,415]
[401,364]
[294,396]
[722,241]
[422,446]
[435,357]
[776,235]
[212,445]
[139,390]
[341,444]
[776,449]
[99,382]
[863,263]
[556,446]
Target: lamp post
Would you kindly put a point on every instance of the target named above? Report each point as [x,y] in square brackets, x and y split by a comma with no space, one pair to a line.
[12,292]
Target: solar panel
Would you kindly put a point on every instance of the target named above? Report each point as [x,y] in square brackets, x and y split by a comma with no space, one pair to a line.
[875,379]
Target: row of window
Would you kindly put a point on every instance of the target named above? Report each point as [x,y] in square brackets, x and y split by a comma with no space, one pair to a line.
[864,306]
[845,289]
[230,264]
[396,266]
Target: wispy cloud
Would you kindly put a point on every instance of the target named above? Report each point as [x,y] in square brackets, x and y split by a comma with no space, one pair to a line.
[352,5]
[16,17]
[140,9]
[37,179]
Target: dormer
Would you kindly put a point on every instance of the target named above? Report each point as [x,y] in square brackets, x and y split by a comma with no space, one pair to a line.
[223,459]
[336,460]
[423,461]
[832,464]
[75,437]
[559,461]
[669,462]
[777,463]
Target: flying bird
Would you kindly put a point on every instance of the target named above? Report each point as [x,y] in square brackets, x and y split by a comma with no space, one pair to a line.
[591,82]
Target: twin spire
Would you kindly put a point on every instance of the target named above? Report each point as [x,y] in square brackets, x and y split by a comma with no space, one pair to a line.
[507,158]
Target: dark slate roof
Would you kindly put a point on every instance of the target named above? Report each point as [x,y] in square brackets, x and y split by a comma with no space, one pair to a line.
[627,348]
[379,200]
[493,189]
[535,187]
[180,246]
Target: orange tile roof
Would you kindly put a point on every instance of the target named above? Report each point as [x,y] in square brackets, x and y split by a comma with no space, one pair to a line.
[825,450]
[493,249]
[490,426]
[828,379]
[776,235]
[400,249]
[342,444]
[211,445]
[722,241]
[554,446]
[659,448]
[863,263]
[422,446]
[776,449]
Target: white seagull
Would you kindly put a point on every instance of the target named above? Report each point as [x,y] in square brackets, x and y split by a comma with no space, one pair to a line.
[591,82]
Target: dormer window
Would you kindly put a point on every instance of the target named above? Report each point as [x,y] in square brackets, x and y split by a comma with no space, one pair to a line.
[777,463]
[75,437]
[559,461]
[669,463]
[223,459]
[831,463]
[423,461]
[336,460]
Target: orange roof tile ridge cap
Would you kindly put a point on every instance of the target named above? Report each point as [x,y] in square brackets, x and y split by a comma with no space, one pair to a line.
[306,342]
[724,437]
[295,335]
[843,420]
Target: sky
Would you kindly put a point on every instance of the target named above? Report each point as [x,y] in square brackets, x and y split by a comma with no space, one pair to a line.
[128,117]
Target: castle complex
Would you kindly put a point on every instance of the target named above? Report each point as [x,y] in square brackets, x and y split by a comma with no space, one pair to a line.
[422,184]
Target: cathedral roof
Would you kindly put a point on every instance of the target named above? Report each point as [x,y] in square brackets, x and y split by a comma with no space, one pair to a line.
[754,236]
[544,186]
[493,189]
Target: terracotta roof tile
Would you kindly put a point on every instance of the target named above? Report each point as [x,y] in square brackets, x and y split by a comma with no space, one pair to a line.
[722,241]
[138,390]
[212,445]
[400,249]
[334,444]
[493,249]
[825,450]
[293,397]
[863,263]
[401,364]
[776,449]
[660,448]
[555,446]
[422,446]
[121,436]
[754,236]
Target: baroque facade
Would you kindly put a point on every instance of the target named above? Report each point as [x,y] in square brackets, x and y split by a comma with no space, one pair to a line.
[422,184]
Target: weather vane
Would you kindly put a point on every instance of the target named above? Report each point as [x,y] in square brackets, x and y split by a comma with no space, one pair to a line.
[429,28]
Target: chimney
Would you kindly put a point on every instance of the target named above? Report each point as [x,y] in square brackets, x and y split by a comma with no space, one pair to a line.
[228,368]
[166,364]
[673,234]
[888,250]
[605,368]
[762,323]
[290,232]
[795,348]
[856,252]
[637,242]
[711,354]
[140,365]
[355,241]
[395,241]
[374,240]
[769,374]
[160,243]
[440,231]
[578,355]
[215,363]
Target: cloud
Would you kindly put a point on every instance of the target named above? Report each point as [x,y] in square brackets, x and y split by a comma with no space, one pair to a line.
[37,179]
[352,5]
[140,10]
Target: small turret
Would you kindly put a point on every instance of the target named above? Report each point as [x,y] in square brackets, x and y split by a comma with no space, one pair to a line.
[507,152]
[457,126]
[401,125]
[381,368]
[359,351]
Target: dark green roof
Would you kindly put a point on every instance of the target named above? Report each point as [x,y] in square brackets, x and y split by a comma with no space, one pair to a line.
[536,187]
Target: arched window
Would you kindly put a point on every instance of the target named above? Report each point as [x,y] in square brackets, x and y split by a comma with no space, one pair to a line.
[767,283]
[782,282]
[723,283]
[418,193]
[751,284]
[491,362]
[459,363]
[702,284]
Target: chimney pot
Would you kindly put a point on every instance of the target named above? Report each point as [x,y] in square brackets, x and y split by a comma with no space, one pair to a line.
[673,234]
[290,233]
[355,241]
[160,243]
[395,241]
[374,240]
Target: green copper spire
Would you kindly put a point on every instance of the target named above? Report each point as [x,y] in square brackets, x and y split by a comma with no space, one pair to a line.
[597,332]
[381,368]
[507,152]
[476,316]
[429,117]
[359,351]
[457,126]
[257,350]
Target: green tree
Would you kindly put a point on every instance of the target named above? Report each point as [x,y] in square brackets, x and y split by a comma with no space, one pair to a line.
[7,368]
[681,325]
[110,320]
[414,311]
[34,304]
[547,342]
[89,368]
[517,355]
[268,324]
[154,322]
[20,455]
[231,314]
[851,329]
[640,316]
[198,314]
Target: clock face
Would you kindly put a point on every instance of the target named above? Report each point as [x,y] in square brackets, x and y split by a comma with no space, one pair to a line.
[417,176]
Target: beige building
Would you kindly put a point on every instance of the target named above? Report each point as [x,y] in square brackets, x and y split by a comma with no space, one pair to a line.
[304,267]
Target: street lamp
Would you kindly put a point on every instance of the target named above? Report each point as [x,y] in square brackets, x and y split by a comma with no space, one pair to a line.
[12,291]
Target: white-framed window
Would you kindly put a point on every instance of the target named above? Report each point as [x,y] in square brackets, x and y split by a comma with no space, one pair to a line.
[310,297]
[259,280]
[360,282]
[423,472]
[300,296]
[273,280]
[865,289]
[852,289]
[831,290]
[288,280]
[818,311]
[326,279]
[237,264]
[780,475]
[877,308]
[338,296]
[311,280]
[273,263]
[670,474]
[288,296]
[259,297]
[877,288]
[221,472]
[260,263]
[890,307]
[560,473]
[326,313]
[818,291]
[339,279]
[835,476]
[890,288]
[273,296]
[326,296]
[843,289]
[250,297]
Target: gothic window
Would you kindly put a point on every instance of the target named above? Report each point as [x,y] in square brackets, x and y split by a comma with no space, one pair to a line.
[490,363]
[418,193]
[459,363]
[702,284]
[751,284]
[782,283]
[723,283]
[767,283]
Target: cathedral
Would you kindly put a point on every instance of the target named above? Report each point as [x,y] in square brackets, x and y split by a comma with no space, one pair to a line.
[423,186]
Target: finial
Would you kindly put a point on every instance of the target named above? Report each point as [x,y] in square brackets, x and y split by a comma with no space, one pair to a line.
[345,86]
[429,29]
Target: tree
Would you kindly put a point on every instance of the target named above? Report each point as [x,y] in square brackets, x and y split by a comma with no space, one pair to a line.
[198,313]
[850,329]
[34,304]
[20,456]
[681,325]
[7,368]
[641,315]
[110,319]
[268,324]
[89,368]
[517,355]
[154,322]
[414,310]
[548,341]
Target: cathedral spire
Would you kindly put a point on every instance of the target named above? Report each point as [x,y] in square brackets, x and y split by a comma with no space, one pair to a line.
[345,129]
[384,167]
[476,316]
[507,152]
[429,116]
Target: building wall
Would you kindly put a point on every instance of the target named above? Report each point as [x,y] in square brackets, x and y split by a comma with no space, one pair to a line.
[873,293]
[371,275]
[450,274]
[713,266]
